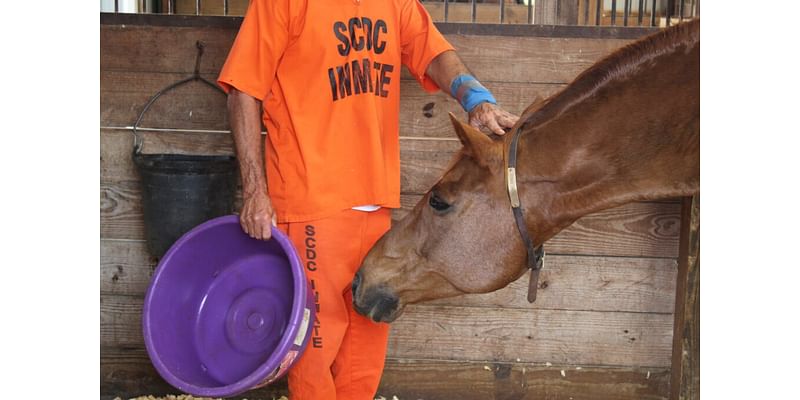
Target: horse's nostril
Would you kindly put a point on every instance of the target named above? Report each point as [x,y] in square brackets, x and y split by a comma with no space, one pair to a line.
[356,282]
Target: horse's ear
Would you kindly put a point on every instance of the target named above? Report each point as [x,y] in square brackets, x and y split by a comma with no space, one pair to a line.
[477,144]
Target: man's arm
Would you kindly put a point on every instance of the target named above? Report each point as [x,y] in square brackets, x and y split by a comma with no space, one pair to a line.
[485,116]
[244,113]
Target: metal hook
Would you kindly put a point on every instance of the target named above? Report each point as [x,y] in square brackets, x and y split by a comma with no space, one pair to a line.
[137,140]
[200,48]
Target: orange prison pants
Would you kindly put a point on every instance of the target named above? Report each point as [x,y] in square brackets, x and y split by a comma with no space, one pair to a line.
[345,355]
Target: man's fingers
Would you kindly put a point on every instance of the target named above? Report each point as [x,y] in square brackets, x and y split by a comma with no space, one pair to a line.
[261,226]
[247,226]
[475,123]
[495,127]
[508,120]
[266,229]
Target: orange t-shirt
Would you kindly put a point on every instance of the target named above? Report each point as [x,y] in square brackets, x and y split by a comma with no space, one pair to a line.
[328,76]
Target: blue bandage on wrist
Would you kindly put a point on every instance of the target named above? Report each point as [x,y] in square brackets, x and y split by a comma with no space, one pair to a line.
[469,92]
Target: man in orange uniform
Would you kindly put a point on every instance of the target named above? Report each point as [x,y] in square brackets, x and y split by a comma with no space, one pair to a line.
[327,75]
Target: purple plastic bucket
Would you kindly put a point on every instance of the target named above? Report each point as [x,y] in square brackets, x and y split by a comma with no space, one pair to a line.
[226,313]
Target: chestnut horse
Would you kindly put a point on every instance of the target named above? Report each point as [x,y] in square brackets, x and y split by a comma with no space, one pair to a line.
[627,129]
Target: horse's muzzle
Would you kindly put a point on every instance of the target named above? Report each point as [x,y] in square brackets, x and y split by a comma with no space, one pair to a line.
[377,303]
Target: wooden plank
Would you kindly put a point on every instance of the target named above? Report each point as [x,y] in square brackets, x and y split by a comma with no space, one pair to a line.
[686,337]
[163,49]
[535,59]
[123,94]
[436,380]
[125,267]
[480,334]
[559,337]
[193,105]
[567,282]
[588,284]
[426,115]
[422,161]
[116,146]
[633,230]
[128,373]
[646,229]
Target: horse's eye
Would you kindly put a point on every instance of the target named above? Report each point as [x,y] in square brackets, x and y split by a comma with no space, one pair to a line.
[437,203]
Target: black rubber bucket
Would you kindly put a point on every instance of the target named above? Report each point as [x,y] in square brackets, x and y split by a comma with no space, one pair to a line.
[180,192]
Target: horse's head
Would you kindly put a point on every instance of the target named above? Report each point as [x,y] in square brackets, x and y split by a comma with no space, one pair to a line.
[460,238]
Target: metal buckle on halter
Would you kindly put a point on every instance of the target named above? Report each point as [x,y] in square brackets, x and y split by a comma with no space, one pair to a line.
[536,267]
[513,194]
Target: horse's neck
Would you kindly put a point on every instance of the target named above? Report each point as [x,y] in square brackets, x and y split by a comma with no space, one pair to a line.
[635,138]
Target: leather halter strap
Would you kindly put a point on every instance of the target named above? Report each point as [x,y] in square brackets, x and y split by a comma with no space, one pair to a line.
[535,259]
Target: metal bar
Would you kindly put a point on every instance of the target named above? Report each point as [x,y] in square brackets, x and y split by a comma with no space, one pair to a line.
[558,12]
[626,12]
[681,11]
[613,12]
[502,11]
[538,19]
[224,7]
[197,7]
[641,12]
[597,12]
[474,10]
[653,14]
[530,12]
[670,7]
[446,9]
[586,12]
[697,9]
[116,6]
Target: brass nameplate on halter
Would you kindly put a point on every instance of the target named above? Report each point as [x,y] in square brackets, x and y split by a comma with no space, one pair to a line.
[512,187]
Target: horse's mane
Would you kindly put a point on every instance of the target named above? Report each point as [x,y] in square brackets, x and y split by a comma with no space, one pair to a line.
[617,65]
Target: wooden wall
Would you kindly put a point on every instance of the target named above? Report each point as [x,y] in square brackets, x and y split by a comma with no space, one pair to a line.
[600,329]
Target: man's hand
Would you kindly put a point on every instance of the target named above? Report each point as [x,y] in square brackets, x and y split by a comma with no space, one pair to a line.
[491,119]
[244,112]
[257,216]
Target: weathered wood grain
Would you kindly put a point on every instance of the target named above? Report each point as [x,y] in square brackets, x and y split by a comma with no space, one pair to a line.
[123,95]
[422,161]
[193,105]
[646,229]
[425,114]
[542,60]
[128,373]
[435,380]
[566,337]
[535,59]
[116,148]
[566,282]
[590,284]
[163,49]
[686,337]
[632,230]
[480,334]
